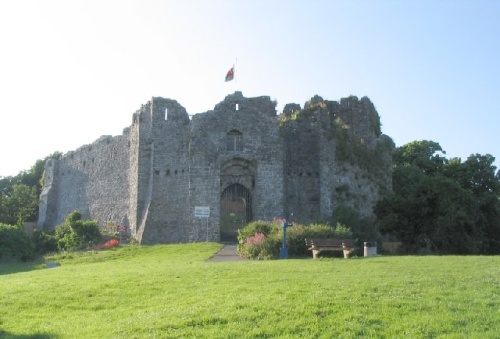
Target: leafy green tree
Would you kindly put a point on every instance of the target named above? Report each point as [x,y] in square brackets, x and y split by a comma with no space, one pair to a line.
[439,205]
[424,155]
[477,174]
[14,243]
[19,194]
[20,206]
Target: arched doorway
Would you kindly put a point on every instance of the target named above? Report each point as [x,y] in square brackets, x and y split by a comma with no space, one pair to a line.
[235,211]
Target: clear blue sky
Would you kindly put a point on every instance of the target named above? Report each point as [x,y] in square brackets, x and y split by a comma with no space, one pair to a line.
[71,71]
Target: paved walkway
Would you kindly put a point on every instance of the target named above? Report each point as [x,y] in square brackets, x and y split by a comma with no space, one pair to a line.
[227,253]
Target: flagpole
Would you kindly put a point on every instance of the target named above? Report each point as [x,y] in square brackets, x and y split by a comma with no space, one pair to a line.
[235,76]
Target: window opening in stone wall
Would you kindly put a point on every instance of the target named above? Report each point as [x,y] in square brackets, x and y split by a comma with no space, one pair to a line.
[234,141]
[237,107]
[166,113]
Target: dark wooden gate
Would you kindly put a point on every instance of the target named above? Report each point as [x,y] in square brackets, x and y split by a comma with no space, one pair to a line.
[235,211]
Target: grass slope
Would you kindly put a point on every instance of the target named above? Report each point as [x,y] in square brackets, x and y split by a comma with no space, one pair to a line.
[170,291]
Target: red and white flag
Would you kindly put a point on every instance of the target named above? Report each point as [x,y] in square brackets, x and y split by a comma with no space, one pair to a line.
[230,74]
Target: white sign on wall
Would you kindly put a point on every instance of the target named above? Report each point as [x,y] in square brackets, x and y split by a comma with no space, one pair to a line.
[201,211]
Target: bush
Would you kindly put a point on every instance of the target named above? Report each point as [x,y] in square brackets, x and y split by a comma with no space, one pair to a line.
[264,227]
[44,242]
[76,234]
[254,247]
[15,244]
[263,240]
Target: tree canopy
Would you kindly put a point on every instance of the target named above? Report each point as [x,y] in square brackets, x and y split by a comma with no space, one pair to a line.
[442,205]
[19,194]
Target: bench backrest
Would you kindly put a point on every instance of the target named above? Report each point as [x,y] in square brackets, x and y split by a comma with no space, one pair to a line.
[318,242]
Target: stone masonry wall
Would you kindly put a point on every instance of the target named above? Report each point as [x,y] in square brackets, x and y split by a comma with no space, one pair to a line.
[258,166]
[300,165]
[317,182]
[168,217]
[93,179]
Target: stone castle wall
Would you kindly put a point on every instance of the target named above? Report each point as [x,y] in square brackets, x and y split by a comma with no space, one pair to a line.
[153,176]
[318,178]
[94,179]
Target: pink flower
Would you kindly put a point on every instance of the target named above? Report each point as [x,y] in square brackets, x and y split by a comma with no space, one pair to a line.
[256,239]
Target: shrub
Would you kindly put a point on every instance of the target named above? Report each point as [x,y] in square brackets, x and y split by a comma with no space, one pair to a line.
[15,244]
[264,227]
[44,242]
[76,234]
[254,247]
[261,245]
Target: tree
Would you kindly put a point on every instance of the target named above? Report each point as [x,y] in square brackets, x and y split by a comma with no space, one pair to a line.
[477,174]
[424,155]
[19,194]
[442,205]
[20,206]
[14,243]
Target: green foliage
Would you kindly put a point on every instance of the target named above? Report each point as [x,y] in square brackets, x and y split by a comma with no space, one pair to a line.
[362,228]
[19,194]
[263,240]
[297,234]
[14,244]
[346,215]
[254,249]
[258,247]
[76,234]
[440,205]
[259,226]
[424,155]
[44,242]
[352,149]
[20,205]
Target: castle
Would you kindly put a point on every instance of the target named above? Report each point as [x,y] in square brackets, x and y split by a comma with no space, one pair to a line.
[173,178]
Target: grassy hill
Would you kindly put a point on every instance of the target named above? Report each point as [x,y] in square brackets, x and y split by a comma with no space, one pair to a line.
[170,291]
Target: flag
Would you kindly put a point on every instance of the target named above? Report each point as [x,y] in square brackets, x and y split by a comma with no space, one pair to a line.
[230,74]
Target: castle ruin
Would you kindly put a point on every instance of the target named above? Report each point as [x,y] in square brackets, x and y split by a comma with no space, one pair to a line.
[173,178]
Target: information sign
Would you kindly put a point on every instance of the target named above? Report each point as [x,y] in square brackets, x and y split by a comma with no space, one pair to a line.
[202,211]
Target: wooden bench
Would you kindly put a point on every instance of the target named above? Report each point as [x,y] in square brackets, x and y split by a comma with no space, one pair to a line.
[318,245]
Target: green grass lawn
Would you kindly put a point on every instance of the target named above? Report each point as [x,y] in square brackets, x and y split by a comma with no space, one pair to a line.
[170,291]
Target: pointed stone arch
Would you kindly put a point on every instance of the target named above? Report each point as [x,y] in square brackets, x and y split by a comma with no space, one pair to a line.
[236,203]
